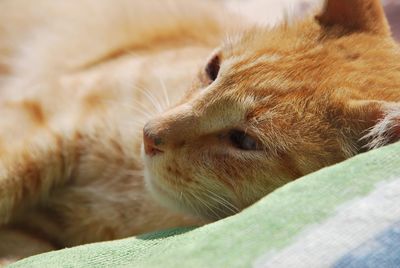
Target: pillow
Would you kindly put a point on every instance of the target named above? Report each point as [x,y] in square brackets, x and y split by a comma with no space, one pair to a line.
[347,215]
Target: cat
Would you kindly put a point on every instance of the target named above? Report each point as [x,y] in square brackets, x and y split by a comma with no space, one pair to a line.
[83,157]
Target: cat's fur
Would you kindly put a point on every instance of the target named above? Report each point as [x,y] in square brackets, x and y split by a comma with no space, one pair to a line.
[75,93]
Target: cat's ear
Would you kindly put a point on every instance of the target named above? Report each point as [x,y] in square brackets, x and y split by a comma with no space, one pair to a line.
[354,16]
[377,122]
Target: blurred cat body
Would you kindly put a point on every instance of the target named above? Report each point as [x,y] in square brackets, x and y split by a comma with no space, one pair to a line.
[270,106]
[77,86]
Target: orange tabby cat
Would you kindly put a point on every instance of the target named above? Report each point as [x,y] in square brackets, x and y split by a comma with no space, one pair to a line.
[270,106]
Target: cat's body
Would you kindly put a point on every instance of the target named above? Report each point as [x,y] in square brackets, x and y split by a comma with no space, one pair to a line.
[76,92]
[74,98]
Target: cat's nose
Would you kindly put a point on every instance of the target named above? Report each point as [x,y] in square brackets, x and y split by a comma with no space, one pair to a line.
[152,143]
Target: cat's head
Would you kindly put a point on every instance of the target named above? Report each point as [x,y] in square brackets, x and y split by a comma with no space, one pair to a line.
[273,105]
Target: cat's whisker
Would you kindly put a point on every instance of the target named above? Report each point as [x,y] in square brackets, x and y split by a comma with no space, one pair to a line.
[227,204]
[153,101]
[165,102]
[220,197]
[190,204]
[144,113]
[222,201]
[165,92]
[150,97]
[202,201]
[141,110]
[218,205]
[119,103]
[219,202]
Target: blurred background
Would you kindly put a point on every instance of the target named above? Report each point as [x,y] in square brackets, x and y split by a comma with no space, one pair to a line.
[271,12]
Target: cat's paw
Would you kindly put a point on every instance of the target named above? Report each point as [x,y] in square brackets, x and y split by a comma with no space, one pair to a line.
[386,131]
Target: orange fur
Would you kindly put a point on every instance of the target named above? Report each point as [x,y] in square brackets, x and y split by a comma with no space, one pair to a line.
[75,94]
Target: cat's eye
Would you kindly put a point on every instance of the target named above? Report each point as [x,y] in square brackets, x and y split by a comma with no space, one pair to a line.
[243,141]
[212,68]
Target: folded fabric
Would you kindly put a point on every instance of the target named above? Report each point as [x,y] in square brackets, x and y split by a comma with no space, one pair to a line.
[347,215]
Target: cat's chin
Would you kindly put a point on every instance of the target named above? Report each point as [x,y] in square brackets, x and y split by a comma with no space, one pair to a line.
[180,200]
[163,195]
[174,201]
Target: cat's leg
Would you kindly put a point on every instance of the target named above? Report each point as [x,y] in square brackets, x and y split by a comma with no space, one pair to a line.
[386,130]
[27,173]
[30,171]
[33,157]
[377,124]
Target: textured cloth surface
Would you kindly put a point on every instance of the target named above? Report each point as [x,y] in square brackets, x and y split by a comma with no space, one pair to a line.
[347,215]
